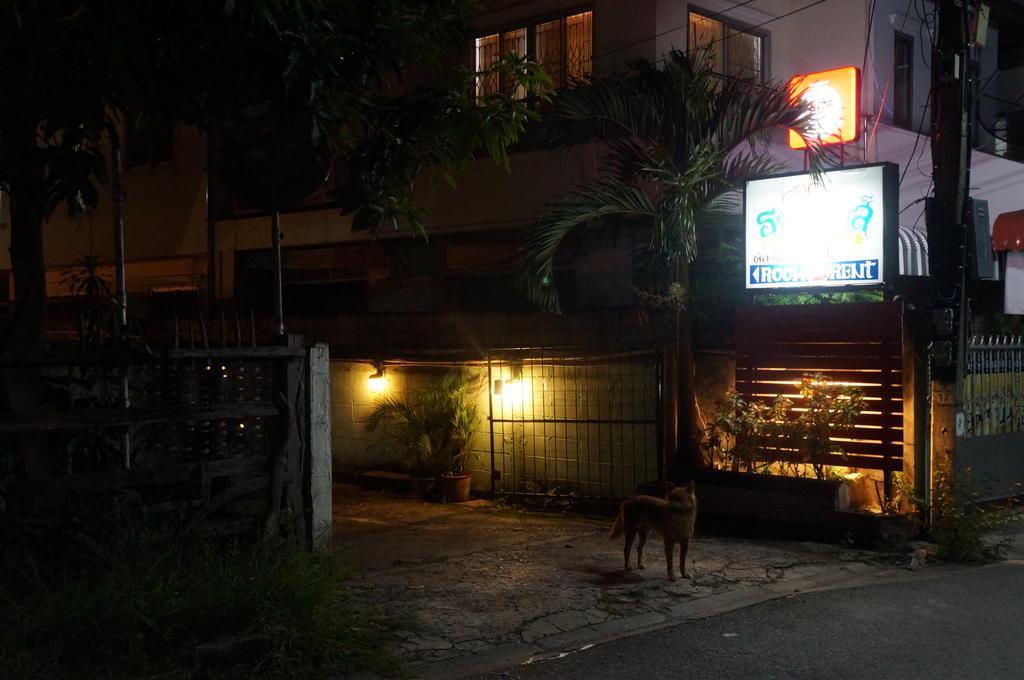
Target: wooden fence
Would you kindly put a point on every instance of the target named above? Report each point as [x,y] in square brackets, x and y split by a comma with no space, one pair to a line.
[218,437]
[854,344]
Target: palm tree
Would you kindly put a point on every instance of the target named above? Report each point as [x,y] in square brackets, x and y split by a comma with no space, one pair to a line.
[679,141]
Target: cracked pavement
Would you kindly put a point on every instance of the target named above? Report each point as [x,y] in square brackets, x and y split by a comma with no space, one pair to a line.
[481,585]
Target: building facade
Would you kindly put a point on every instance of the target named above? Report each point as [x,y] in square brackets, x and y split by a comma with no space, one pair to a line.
[424,304]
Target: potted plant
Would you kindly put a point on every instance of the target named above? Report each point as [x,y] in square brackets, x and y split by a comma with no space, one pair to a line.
[430,430]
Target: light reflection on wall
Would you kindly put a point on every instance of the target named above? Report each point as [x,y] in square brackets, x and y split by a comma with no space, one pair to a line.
[512,388]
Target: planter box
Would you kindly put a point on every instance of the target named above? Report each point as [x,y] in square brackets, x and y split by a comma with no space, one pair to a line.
[741,495]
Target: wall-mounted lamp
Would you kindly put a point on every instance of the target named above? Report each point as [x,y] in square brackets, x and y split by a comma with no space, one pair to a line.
[378,381]
[511,389]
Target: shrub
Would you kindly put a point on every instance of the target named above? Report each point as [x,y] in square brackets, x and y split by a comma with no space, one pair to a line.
[743,433]
[959,526]
[144,601]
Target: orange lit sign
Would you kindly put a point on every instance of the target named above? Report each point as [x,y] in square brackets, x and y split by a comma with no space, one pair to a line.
[835,97]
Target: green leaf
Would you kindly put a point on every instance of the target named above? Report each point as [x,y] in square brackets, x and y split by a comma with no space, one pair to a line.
[368,218]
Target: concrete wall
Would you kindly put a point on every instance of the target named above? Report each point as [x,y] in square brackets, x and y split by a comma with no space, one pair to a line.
[352,400]
[542,440]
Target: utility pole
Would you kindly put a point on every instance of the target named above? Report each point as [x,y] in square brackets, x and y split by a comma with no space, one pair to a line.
[947,220]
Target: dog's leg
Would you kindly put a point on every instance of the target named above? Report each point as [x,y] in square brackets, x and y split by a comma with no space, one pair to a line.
[684,545]
[640,547]
[669,549]
[630,535]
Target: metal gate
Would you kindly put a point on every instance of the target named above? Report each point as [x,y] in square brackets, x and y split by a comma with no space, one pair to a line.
[578,422]
[987,457]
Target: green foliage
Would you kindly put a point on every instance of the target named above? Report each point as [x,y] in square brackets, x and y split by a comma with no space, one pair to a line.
[86,278]
[958,525]
[1007,324]
[742,433]
[141,601]
[825,405]
[679,141]
[327,75]
[434,132]
[430,430]
[819,298]
[740,429]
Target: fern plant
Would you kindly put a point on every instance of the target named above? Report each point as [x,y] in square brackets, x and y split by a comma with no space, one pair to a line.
[430,429]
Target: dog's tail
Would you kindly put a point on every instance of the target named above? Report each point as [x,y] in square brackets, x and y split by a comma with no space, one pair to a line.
[617,528]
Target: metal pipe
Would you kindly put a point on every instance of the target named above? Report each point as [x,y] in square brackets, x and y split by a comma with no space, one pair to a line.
[211,225]
[490,417]
[117,202]
[117,199]
[275,239]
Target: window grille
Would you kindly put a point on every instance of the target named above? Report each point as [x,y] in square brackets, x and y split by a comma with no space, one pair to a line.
[735,52]
[563,46]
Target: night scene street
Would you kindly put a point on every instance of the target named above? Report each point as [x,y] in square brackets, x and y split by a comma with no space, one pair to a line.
[525,339]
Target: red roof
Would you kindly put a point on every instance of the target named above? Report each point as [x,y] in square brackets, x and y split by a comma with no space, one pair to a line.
[1008,231]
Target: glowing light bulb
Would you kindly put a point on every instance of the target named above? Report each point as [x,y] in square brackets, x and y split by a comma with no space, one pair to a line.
[378,382]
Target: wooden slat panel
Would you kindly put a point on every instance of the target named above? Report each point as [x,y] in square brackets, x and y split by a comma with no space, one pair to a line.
[850,460]
[859,431]
[779,385]
[812,349]
[784,373]
[838,341]
[866,448]
[815,364]
[848,322]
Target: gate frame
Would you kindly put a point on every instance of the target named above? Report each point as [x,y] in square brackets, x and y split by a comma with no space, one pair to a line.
[654,351]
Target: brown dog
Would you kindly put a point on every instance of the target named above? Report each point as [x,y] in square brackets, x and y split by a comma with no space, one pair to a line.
[672,517]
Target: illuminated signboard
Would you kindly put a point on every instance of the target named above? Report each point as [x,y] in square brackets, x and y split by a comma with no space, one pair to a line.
[834,96]
[836,233]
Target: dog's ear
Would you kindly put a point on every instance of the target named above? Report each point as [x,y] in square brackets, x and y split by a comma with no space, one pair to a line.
[690,485]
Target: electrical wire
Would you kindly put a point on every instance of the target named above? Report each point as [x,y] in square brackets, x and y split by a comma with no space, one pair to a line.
[1011,105]
[927,191]
[867,41]
[878,89]
[993,131]
[925,24]
[640,41]
[713,42]
[912,204]
[928,99]
[892,69]
[917,138]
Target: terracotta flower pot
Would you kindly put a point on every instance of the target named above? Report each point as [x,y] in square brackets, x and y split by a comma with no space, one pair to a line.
[456,488]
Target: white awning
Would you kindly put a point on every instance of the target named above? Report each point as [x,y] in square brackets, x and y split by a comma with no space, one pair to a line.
[913,247]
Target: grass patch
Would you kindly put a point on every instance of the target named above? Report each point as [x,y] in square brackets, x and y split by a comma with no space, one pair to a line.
[142,602]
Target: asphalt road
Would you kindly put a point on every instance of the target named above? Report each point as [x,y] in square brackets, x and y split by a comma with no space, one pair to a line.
[956,623]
